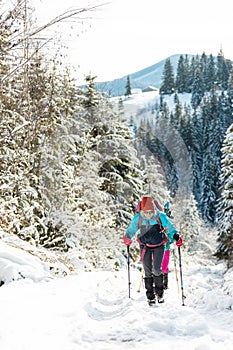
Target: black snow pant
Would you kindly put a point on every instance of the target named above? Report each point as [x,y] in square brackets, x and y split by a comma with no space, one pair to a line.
[152,264]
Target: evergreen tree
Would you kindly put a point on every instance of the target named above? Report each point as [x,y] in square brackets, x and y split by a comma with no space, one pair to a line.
[192,72]
[197,89]
[182,76]
[203,68]
[128,87]
[117,161]
[223,71]
[187,73]
[184,126]
[230,86]
[225,210]
[164,134]
[19,201]
[210,74]
[177,115]
[187,220]
[90,101]
[211,156]
[168,80]
[154,180]
[121,109]
[196,151]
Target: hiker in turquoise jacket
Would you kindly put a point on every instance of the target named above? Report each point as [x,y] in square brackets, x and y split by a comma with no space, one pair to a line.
[156,231]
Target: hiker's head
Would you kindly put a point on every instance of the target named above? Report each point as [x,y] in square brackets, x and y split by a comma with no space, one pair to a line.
[147,206]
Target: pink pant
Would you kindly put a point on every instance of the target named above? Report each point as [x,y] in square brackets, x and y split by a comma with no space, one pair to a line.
[165,262]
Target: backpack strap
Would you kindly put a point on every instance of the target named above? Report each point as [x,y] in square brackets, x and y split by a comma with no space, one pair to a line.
[160,223]
[157,219]
[140,221]
[138,207]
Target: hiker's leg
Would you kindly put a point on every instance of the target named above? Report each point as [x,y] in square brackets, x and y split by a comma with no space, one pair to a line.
[159,287]
[147,265]
[158,253]
[157,269]
[165,263]
[149,288]
[147,262]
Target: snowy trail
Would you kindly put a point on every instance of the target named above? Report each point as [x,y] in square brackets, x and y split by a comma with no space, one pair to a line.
[91,310]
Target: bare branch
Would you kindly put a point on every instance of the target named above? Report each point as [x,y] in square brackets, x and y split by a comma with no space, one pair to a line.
[73,13]
[24,62]
[60,18]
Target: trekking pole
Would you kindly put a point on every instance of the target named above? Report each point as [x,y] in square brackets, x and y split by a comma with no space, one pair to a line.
[140,283]
[128,261]
[181,277]
[174,258]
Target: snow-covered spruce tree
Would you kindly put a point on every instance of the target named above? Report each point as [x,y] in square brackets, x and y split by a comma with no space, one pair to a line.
[211,167]
[119,165]
[165,132]
[187,220]
[196,152]
[58,145]
[128,87]
[182,75]
[184,126]
[69,182]
[230,86]
[152,176]
[90,176]
[154,180]
[210,74]
[224,67]
[176,116]
[120,111]
[168,79]
[225,208]
[17,191]
[33,116]
[197,89]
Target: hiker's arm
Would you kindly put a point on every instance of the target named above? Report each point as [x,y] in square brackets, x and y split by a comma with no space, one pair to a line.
[133,227]
[170,227]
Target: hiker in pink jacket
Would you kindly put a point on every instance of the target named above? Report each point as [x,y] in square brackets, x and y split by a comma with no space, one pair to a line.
[166,255]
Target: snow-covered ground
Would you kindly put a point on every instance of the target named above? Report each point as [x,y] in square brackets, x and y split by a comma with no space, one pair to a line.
[92,310]
[142,103]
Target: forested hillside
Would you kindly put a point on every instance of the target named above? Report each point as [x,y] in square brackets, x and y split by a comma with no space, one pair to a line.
[72,168]
[202,123]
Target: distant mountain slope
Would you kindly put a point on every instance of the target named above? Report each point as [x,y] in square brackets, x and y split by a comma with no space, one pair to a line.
[141,79]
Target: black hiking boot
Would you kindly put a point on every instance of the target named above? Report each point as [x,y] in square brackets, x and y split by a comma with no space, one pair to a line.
[159,287]
[151,302]
[165,280]
[160,300]
[149,288]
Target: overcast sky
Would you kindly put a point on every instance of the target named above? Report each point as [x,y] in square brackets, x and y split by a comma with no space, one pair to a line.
[125,36]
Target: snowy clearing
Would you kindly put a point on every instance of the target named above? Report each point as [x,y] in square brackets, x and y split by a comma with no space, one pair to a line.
[92,310]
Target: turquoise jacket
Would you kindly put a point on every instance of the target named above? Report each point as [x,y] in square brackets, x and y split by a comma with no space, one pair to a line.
[165,221]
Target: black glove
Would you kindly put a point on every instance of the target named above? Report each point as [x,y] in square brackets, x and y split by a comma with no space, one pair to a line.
[176,237]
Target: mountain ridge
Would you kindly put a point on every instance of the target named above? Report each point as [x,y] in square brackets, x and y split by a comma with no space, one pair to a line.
[150,76]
